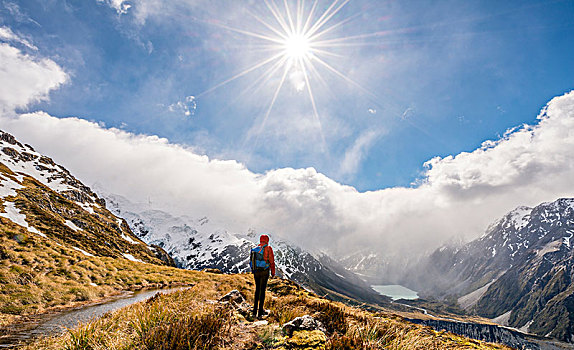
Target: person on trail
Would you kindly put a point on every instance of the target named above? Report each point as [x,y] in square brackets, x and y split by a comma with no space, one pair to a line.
[262,262]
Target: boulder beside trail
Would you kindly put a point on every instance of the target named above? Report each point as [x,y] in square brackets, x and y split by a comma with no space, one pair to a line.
[234,296]
[303,323]
[237,302]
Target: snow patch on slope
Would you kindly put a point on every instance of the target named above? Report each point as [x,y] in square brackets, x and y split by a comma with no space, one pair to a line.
[469,300]
[132,258]
[13,214]
[72,226]
[129,239]
[24,161]
[8,187]
[83,251]
[550,247]
[519,217]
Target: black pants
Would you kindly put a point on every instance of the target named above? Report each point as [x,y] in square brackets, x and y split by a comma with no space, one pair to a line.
[261,278]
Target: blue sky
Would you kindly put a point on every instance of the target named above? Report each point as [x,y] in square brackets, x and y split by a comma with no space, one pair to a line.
[430,78]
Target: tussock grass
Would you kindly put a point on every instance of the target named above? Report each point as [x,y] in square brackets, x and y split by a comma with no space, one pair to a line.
[38,274]
[43,271]
[192,319]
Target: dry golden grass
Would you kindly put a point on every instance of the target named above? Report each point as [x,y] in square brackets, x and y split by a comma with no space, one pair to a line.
[191,319]
[38,274]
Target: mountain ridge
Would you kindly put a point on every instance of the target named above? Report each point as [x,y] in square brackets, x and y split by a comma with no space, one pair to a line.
[199,244]
[519,273]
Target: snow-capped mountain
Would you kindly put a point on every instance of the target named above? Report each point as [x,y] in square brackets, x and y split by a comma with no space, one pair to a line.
[519,273]
[200,243]
[193,243]
[45,199]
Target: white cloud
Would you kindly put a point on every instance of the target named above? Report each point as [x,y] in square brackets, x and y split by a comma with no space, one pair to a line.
[357,152]
[122,7]
[17,14]
[143,9]
[26,79]
[530,154]
[6,34]
[186,107]
[459,195]
[141,167]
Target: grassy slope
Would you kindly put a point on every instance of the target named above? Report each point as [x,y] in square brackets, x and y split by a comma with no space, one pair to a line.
[40,273]
[47,211]
[192,319]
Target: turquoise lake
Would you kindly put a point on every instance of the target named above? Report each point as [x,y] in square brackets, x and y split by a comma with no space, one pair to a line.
[395,291]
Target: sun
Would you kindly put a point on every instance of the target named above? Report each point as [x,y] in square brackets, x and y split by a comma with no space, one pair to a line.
[297,40]
[297,47]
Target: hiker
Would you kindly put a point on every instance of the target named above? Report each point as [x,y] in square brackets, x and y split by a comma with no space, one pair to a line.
[261,262]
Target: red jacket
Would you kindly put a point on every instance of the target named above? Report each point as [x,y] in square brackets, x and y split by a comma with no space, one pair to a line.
[268,253]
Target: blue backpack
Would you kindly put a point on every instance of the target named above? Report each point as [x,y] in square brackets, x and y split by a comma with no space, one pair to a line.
[256,260]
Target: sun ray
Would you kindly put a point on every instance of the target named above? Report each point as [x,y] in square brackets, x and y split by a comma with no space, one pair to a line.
[279,86]
[310,16]
[333,27]
[300,6]
[317,75]
[265,77]
[277,14]
[364,36]
[320,24]
[258,84]
[245,32]
[269,26]
[240,74]
[344,77]
[314,105]
[289,18]
[326,53]
[325,14]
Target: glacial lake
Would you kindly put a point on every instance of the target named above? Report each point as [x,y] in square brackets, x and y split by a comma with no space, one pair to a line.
[396,291]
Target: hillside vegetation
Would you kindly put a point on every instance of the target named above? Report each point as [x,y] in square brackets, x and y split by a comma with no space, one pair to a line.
[194,319]
[59,245]
[37,274]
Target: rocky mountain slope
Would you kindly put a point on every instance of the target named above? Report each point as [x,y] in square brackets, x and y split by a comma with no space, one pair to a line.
[200,243]
[59,246]
[44,198]
[519,273]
